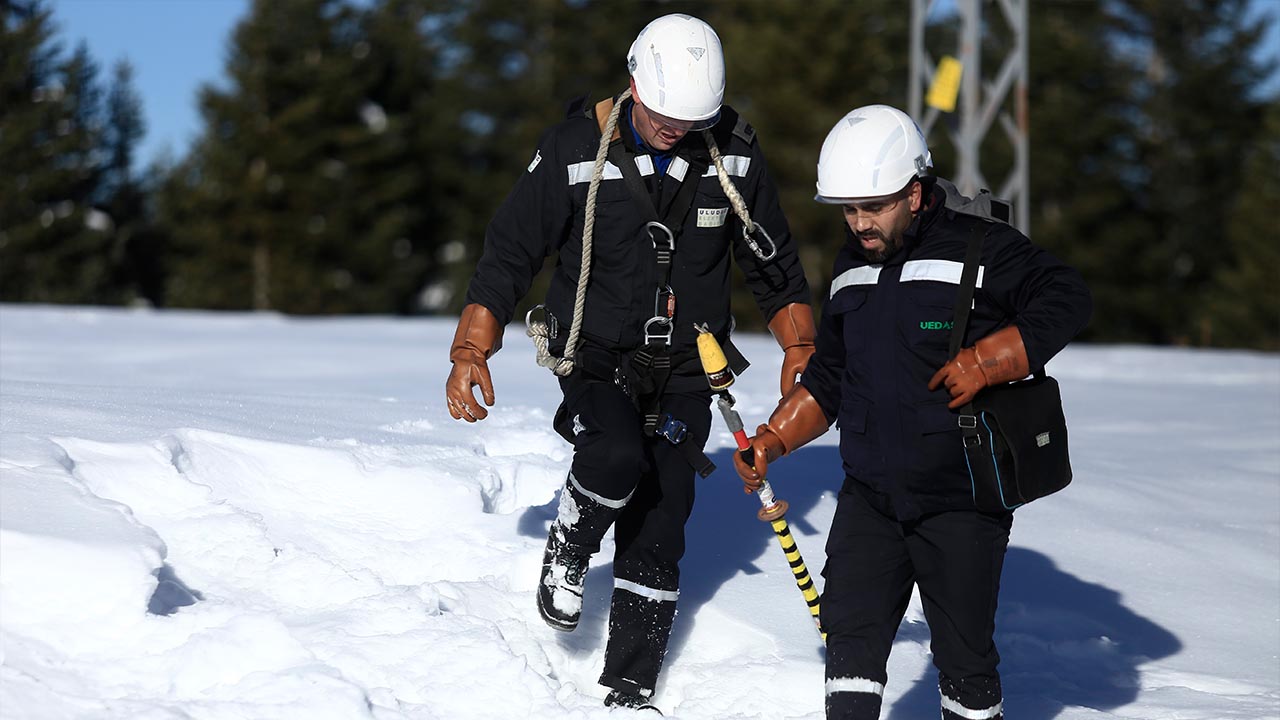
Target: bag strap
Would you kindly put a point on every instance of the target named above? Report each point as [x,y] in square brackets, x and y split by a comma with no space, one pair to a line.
[968,283]
[968,420]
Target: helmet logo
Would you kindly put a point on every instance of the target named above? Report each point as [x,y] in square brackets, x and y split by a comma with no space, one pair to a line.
[696,52]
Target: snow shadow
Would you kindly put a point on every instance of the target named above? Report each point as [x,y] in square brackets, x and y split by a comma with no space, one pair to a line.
[1063,641]
[724,537]
[171,593]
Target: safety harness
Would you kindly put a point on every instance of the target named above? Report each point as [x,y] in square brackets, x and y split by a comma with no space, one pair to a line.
[645,374]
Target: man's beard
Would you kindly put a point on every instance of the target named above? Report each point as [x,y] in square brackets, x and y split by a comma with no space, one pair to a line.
[892,243]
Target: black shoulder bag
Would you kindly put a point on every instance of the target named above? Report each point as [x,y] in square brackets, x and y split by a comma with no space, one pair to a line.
[1015,435]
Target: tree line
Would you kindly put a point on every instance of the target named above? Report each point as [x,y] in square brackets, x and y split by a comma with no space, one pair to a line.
[352,158]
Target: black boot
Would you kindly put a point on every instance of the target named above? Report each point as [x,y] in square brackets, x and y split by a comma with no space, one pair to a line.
[581,521]
[564,570]
[634,701]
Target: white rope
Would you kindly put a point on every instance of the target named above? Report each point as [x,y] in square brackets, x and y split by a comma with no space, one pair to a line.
[539,330]
[749,228]
[726,183]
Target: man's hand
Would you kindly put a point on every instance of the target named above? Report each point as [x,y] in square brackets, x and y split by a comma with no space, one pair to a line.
[765,448]
[997,358]
[468,372]
[793,328]
[478,337]
[794,360]
[797,420]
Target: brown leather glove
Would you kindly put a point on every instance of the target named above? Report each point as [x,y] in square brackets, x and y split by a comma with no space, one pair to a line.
[997,358]
[792,327]
[477,338]
[797,420]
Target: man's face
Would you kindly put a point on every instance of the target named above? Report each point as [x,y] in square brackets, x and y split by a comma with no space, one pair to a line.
[878,224]
[657,131]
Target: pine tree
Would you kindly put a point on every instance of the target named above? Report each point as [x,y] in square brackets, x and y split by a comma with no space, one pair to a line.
[137,248]
[1244,299]
[313,188]
[1085,192]
[1199,120]
[54,245]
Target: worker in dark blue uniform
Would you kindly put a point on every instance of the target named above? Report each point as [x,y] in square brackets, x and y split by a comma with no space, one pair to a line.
[883,370]
[644,199]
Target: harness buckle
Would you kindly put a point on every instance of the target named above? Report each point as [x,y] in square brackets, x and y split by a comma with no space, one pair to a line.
[967,422]
[671,238]
[675,431]
[650,335]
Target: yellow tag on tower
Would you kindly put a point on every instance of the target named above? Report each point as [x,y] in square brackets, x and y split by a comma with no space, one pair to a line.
[946,85]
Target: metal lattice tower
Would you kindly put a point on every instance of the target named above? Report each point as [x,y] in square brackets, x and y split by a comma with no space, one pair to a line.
[982,100]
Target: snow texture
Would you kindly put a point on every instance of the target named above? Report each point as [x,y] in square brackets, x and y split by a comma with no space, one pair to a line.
[208,516]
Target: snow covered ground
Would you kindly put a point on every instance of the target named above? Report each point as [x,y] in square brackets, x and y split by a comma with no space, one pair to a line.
[249,516]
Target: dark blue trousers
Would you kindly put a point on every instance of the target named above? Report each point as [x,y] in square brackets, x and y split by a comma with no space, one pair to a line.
[873,560]
[644,486]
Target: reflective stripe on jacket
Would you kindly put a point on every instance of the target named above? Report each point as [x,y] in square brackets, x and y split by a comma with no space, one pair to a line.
[545,212]
[885,331]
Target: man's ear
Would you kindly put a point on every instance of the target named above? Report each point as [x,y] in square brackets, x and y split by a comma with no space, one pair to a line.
[916,195]
[632,80]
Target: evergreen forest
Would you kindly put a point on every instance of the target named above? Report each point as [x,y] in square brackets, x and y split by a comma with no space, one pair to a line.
[356,150]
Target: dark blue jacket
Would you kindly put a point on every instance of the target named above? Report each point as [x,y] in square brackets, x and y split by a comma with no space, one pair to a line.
[885,331]
[545,215]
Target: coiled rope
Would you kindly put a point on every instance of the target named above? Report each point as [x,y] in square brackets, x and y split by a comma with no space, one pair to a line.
[539,330]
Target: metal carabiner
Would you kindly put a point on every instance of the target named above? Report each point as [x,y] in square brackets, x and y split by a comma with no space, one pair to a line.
[553,325]
[650,335]
[671,238]
[528,317]
[755,247]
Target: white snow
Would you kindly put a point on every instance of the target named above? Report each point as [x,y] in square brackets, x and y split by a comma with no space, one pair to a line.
[212,515]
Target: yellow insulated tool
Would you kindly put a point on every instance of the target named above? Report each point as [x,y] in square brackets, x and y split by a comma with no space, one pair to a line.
[772,510]
[714,363]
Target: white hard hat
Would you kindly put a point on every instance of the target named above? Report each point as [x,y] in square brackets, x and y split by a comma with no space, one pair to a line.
[678,68]
[871,152]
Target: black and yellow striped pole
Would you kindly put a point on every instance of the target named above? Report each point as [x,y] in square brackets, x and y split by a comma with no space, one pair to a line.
[772,510]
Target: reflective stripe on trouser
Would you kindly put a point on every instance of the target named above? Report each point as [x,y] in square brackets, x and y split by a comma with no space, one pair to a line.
[872,563]
[649,543]
[583,517]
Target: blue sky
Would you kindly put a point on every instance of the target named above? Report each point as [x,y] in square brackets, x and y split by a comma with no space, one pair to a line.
[175,45]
